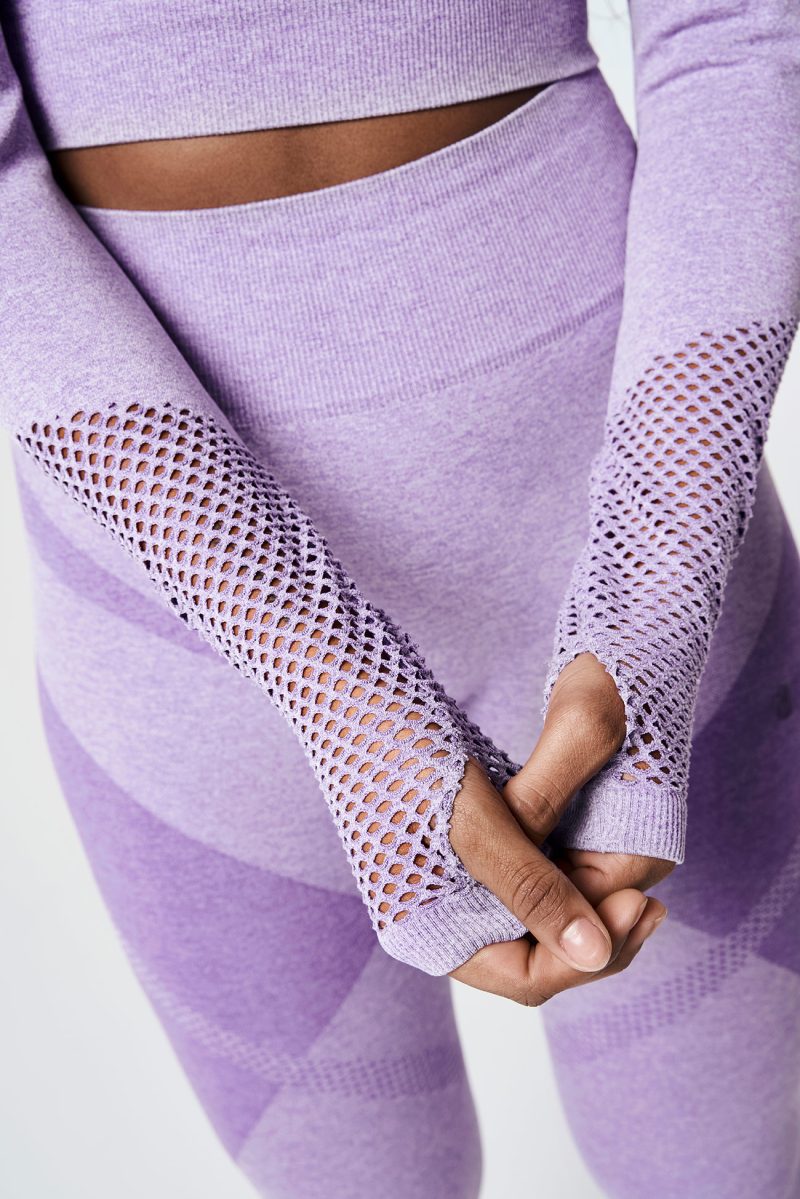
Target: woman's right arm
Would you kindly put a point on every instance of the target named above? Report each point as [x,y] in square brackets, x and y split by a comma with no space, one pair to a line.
[100,397]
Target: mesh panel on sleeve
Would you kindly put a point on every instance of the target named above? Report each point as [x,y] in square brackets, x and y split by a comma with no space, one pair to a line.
[242,564]
[672,490]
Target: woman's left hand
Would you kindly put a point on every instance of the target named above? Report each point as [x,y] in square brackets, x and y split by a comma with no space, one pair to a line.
[584,727]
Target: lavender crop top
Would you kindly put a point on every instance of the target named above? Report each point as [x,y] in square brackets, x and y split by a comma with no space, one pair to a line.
[98,394]
[127,70]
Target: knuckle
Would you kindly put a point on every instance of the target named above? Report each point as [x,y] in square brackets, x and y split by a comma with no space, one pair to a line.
[610,727]
[535,997]
[536,892]
[606,730]
[529,993]
[568,720]
[594,726]
[537,805]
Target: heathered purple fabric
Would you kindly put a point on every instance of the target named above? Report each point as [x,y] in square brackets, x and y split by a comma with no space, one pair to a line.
[712,298]
[223,66]
[421,362]
[159,465]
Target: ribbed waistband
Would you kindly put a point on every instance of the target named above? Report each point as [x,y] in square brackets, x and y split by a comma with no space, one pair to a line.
[321,301]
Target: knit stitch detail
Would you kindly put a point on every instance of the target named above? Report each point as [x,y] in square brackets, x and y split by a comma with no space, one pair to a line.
[671,494]
[244,566]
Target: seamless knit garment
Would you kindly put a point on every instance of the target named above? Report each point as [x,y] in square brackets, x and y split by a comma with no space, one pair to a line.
[150,455]
[101,398]
[712,295]
[438,374]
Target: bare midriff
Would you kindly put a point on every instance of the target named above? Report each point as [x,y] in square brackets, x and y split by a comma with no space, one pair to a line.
[236,168]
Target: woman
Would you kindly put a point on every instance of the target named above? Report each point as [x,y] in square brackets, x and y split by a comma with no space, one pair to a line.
[315,308]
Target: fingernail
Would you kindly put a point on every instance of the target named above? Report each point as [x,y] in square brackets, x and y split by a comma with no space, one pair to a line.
[585,945]
[663,916]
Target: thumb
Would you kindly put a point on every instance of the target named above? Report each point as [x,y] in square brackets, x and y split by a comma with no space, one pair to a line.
[584,727]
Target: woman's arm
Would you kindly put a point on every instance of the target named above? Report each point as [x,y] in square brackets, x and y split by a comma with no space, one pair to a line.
[711,304]
[100,397]
[98,394]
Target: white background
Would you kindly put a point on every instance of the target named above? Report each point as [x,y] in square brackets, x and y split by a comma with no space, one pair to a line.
[93,1103]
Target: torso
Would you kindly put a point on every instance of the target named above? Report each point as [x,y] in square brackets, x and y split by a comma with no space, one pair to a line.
[235,168]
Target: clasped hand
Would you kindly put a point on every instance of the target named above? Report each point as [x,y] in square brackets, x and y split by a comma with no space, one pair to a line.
[586,912]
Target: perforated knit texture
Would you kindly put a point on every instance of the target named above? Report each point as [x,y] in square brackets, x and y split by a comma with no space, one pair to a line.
[431,1069]
[677,997]
[671,493]
[243,565]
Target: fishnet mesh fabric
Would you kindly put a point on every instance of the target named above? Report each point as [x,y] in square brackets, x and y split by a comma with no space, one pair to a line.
[671,492]
[243,565]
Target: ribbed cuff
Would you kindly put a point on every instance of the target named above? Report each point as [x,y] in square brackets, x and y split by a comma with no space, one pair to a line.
[617,818]
[442,935]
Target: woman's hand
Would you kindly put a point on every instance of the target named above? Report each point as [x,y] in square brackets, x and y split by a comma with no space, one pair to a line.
[584,727]
[574,942]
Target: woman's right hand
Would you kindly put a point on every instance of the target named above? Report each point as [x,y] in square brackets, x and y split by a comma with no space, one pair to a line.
[574,942]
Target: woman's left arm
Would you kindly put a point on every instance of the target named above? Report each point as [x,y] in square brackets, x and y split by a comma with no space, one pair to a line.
[711,304]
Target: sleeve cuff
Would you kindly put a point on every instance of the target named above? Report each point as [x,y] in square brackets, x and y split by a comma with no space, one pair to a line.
[615,817]
[443,934]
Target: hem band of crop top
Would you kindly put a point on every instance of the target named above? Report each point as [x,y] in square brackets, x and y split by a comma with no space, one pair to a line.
[183,70]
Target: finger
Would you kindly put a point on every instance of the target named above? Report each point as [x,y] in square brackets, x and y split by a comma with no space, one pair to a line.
[584,727]
[501,969]
[551,978]
[507,970]
[514,971]
[621,914]
[497,853]
[652,918]
[597,874]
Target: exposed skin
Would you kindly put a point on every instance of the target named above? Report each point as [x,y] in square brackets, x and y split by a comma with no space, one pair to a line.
[497,836]
[234,168]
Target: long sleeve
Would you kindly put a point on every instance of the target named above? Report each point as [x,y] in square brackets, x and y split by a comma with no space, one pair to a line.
[100,397]
[711,300]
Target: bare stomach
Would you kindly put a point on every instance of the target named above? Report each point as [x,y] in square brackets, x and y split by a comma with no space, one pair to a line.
[235,168]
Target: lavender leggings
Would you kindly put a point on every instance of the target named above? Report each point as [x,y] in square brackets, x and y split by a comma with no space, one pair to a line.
[423,356]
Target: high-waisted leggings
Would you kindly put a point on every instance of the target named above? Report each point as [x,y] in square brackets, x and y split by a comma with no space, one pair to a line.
[393,347]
